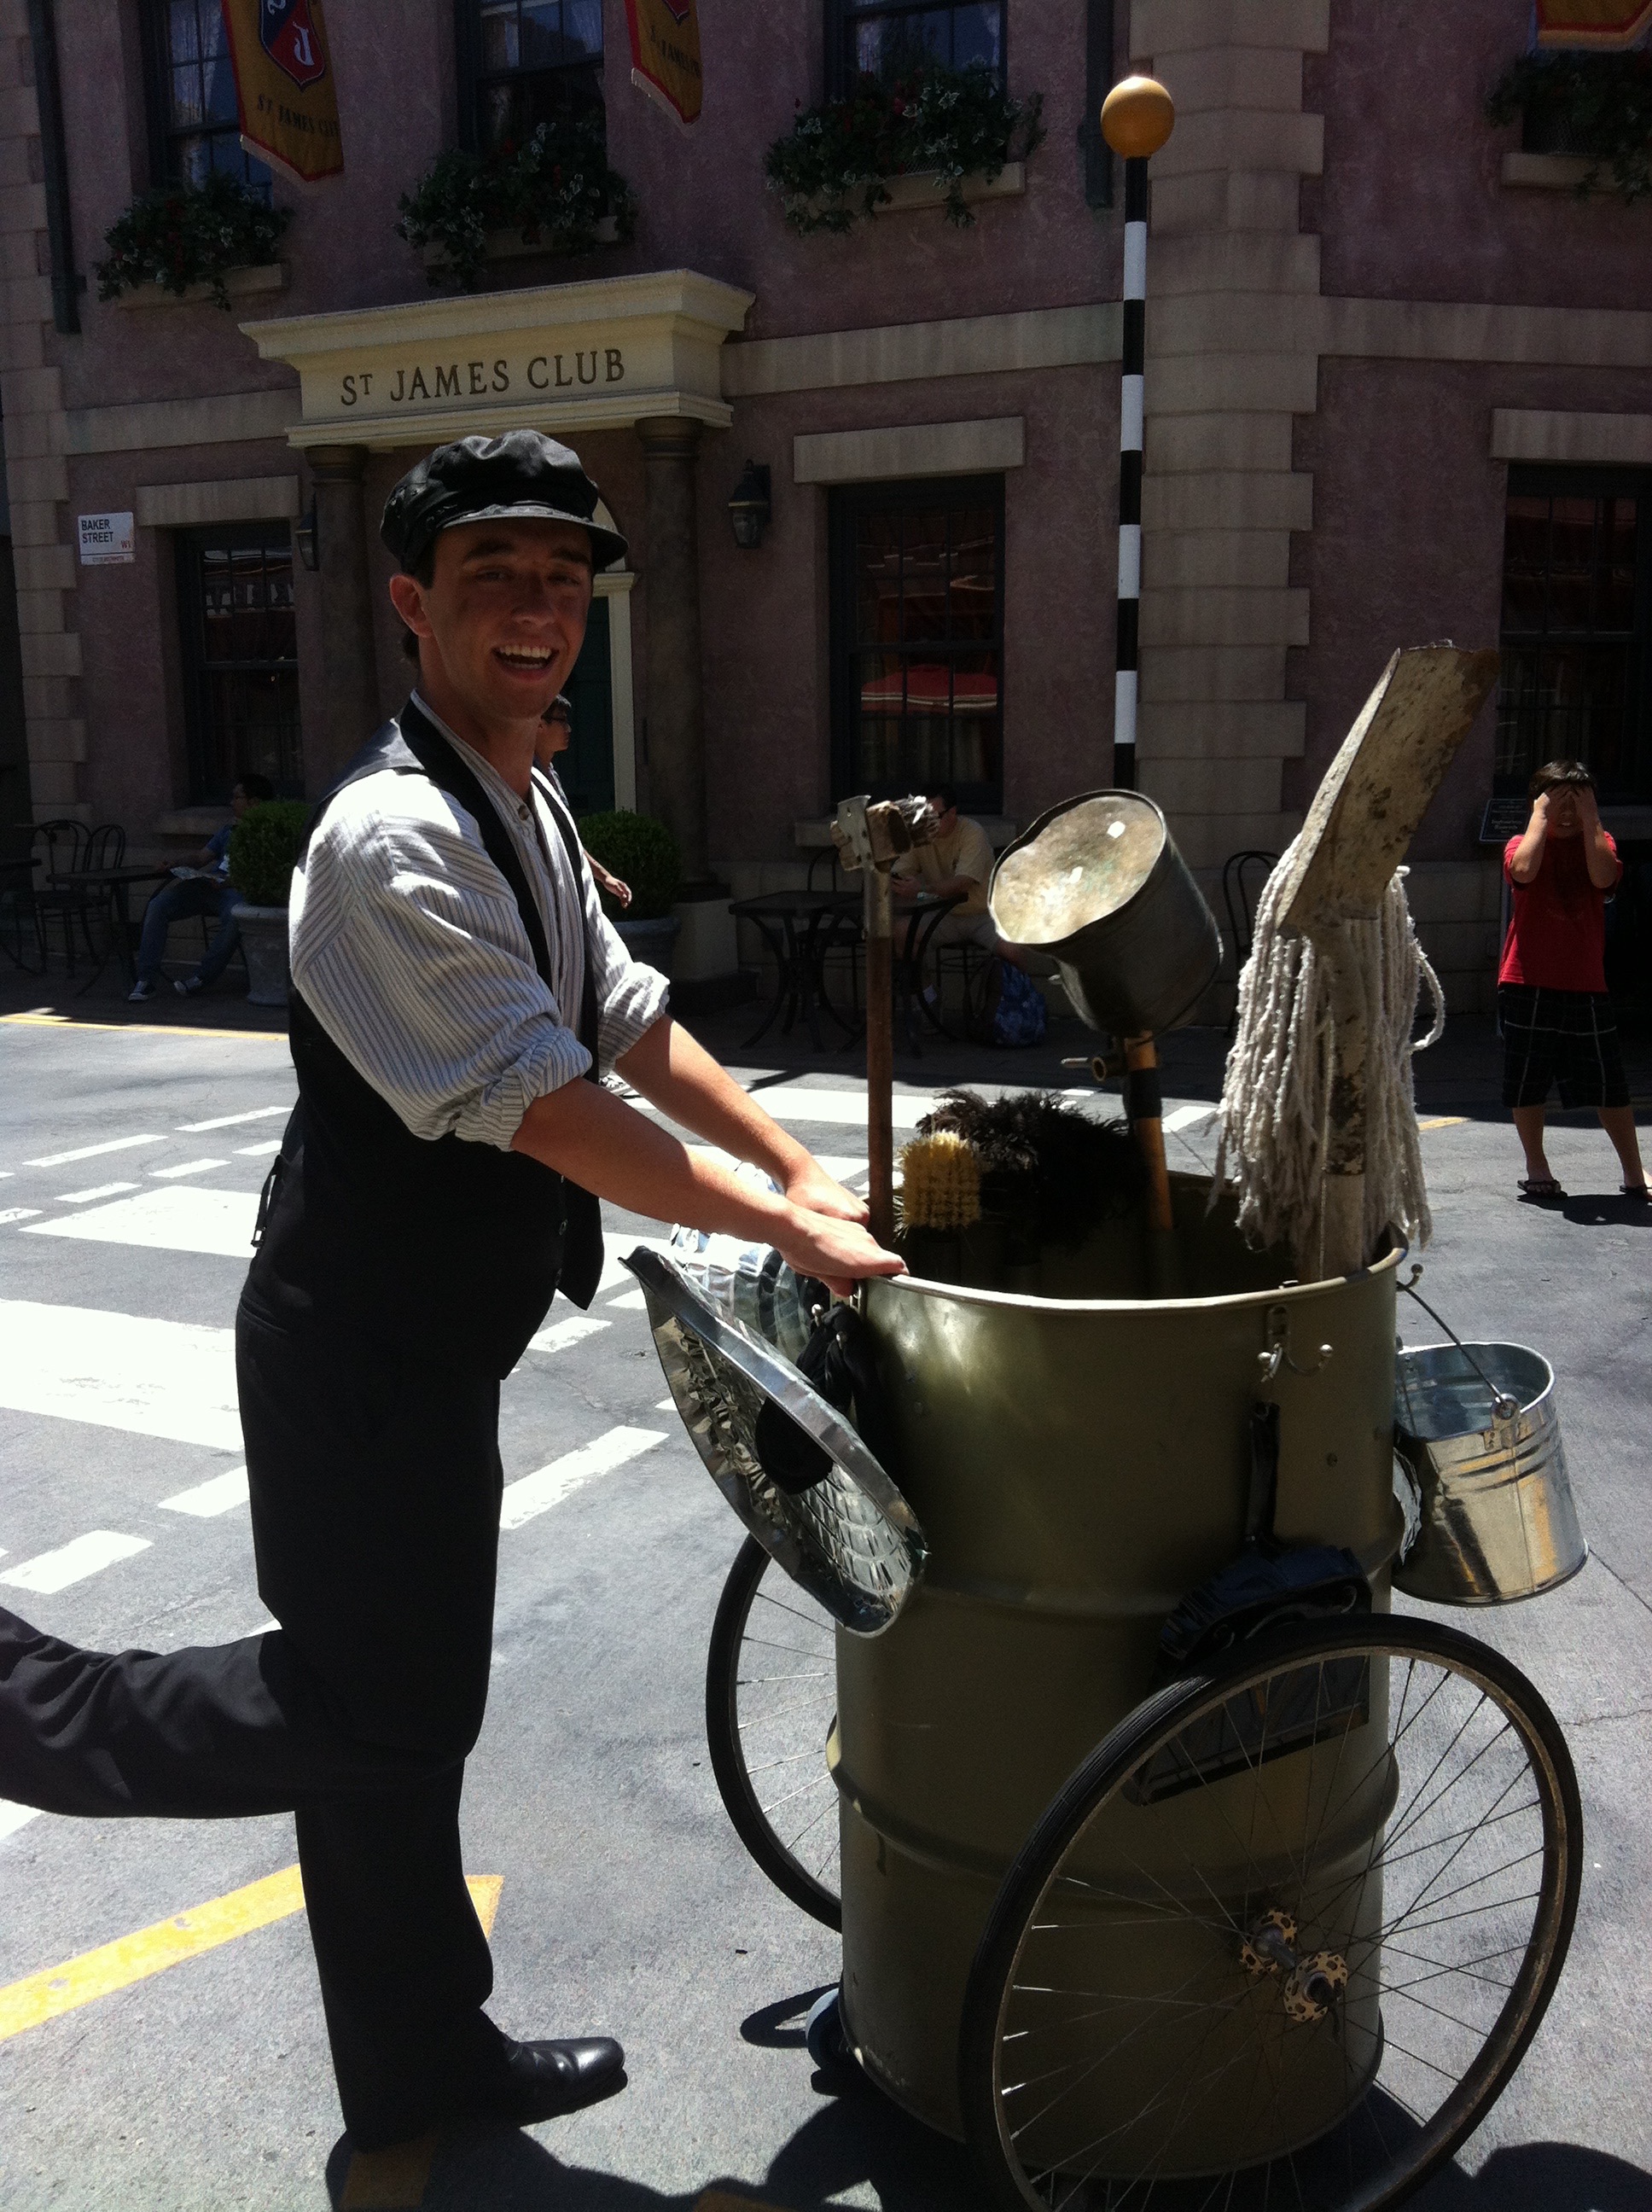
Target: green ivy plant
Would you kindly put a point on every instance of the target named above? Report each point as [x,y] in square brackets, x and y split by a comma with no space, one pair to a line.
[833,167]
[1598,105]
[552,191]
[183,234]
[264,850]
[641,852]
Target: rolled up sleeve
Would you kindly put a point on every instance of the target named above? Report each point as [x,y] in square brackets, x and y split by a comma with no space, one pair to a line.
[408,947]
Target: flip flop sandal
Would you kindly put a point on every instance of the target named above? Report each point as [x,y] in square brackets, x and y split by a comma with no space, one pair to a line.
[1540,1188]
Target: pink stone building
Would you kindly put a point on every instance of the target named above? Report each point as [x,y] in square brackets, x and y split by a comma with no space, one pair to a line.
[1399,388]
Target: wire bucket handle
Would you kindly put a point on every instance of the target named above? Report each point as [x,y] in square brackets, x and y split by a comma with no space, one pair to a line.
[1504,1407]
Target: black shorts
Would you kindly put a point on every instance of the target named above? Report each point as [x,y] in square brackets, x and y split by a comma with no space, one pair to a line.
[1564,1036]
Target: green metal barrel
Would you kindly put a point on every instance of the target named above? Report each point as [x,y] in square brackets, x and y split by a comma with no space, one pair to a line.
[1079,1458]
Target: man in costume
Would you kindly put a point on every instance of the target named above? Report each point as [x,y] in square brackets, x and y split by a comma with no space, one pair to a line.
[457,995]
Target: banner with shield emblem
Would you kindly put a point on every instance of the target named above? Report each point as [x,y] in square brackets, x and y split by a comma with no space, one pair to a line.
[284,85]
[666,54]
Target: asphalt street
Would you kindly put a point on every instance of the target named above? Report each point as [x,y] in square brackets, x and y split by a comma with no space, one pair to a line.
[131,1158]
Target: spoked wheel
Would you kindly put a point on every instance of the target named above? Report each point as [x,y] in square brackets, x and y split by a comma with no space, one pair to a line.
[1283,1938]
[771,1700]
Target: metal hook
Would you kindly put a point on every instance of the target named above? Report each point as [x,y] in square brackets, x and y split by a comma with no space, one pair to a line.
[1277,1354]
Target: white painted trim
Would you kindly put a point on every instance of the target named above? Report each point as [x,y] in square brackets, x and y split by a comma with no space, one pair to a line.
[1543,434]
[239,499]
[914,449]
[1546,173]
[225,418]
[896,353]
[614,585]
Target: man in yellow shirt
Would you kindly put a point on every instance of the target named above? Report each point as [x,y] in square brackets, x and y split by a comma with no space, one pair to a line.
[960,859]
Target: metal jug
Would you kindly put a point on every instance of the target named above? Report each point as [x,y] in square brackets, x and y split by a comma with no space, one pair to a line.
[1097,886]
[1476,1425]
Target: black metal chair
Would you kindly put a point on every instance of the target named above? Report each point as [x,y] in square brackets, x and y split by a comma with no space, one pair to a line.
[61,847]
[106,848]
[1243,875]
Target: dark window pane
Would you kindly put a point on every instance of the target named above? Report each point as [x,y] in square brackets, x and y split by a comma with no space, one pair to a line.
[186,105]
[1571,564]
[236,607]
[542,33]
[582,26]
[977,37]
[182,38]
[1525,564]
[1615,609]
[500,43]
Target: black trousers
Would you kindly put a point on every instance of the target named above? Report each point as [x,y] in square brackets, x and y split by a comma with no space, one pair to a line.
[375,1483]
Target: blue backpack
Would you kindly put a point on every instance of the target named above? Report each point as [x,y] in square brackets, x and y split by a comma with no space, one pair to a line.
[1020,1016]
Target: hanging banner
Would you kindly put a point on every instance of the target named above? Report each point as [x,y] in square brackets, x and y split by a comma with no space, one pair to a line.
[666,54]
[284,85]
[1603,24]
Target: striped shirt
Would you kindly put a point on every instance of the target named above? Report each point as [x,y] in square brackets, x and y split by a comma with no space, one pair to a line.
[407,945]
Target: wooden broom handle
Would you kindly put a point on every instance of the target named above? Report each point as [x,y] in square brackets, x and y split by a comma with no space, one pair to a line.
[1141,1060]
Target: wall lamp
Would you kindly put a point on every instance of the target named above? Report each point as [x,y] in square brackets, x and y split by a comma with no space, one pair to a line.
[307,536]
[750,509]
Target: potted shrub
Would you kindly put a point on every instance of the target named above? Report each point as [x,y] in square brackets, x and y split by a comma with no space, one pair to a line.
[181,235]
[1595,106]
[262,851]
[641,852]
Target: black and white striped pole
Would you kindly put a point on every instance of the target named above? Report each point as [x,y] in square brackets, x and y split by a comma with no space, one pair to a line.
[1137,117]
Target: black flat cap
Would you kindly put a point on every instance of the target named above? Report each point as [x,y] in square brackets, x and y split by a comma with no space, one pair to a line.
[523,474]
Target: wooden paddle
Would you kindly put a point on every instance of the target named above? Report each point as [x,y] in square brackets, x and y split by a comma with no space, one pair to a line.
[1358,830]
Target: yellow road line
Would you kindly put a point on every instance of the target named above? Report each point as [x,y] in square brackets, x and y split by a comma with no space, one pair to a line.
[100,1973]
[1444,1122]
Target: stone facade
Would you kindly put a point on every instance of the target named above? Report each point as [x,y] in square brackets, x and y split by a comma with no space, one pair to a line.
[1364,305]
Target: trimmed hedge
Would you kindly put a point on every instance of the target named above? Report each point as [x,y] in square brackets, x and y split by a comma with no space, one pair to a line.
[641,852]
[264,850]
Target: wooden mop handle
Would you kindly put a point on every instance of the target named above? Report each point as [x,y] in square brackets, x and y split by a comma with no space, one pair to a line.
[880,1053]
[1144,1105]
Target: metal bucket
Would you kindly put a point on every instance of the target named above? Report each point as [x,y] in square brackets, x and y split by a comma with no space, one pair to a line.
[1097,886]
[1476,1425]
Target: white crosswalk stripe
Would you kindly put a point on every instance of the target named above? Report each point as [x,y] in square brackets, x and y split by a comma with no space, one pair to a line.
[219,1494]
[536,1493]
[93,1152]
[182,1218]
[153,1378]
[231,1121]
[74,1562]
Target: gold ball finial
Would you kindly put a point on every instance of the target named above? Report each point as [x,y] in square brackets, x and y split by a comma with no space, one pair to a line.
[1138,116]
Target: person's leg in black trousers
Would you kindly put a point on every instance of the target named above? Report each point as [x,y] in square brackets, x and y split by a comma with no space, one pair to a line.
[375,1482]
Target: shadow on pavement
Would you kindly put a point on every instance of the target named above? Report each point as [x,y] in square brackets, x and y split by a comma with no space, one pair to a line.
[849,2143]
[1559,2177]
[1592,1211]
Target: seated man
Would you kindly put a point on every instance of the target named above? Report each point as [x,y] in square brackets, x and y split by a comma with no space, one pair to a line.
[959,858]
[200,884]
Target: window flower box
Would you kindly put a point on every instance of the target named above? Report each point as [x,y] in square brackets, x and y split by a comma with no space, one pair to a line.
[943,138]
[554,194]
[187,241]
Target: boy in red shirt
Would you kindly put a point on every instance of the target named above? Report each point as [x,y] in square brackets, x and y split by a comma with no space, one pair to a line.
[1551,988]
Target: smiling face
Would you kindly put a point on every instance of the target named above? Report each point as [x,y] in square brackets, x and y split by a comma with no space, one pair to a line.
[503,619]
[1564,819]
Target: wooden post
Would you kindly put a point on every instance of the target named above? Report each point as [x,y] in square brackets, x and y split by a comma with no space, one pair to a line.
[880,1052]
[1342,1215]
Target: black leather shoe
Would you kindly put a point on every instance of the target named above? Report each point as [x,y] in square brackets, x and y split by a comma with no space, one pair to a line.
[541,2080]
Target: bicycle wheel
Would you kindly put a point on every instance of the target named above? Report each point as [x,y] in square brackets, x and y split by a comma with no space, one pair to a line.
[771,1701]
[1283,1937]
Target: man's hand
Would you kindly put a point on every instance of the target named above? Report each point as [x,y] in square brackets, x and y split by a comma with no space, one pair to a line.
[838,1254]
[809,1186]
[619,892]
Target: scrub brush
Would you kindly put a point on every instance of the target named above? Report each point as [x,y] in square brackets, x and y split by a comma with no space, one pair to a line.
[940,1184]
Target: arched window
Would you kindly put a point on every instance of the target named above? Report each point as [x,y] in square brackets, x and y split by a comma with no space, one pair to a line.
[523,63]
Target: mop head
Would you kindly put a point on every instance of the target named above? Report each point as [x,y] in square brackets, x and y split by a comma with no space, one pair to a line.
[940,1183]
[1276,1094]
[1040,1164]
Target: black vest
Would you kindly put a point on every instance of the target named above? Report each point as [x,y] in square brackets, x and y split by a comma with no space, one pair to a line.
[448,1243]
